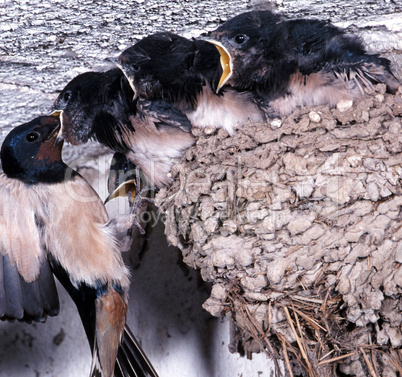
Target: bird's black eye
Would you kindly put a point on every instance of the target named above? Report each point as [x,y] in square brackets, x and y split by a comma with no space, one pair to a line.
[32,136]
[240,38]
[66,96]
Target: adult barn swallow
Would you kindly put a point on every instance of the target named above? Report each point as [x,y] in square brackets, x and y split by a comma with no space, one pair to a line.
[53,223]
[185,73]
[291,63]
[100,106]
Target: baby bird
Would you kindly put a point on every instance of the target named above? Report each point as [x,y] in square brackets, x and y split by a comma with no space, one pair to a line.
[100,106]
[53,223]
[291,63]
[185,73]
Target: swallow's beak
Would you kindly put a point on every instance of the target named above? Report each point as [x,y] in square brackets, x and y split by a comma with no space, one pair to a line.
[59,137]
[125,189]
[226,63]
[118,64]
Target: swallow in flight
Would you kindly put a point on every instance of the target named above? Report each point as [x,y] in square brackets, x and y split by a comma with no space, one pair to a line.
[53,223]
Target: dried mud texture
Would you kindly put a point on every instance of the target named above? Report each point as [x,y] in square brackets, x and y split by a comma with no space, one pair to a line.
[297,225]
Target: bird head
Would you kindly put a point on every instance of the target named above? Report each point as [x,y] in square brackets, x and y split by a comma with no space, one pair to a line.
[134,64]
[76,103]
[243,43]
[122,178]
[169,67]
[31,152]
[94,105]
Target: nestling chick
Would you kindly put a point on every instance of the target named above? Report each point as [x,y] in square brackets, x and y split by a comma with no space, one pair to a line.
[123,178]
[100,106]
[291,63]
[185,73]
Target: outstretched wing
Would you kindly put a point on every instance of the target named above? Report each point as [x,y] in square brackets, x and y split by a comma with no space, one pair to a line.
[27,287]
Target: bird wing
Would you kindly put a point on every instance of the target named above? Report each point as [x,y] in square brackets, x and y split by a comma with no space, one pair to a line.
[164,114]
[27,287]
[319,45]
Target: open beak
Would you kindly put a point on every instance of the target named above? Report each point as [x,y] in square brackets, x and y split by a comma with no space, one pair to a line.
[59,136]
[117,63]
[226,63]
[126,189]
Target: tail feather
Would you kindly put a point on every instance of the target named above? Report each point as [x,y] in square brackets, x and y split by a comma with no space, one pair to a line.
[131,359]
[121,368]
[96,367]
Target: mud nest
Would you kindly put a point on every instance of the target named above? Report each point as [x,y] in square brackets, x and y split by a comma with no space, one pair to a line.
[297,225]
